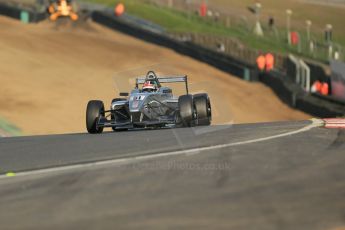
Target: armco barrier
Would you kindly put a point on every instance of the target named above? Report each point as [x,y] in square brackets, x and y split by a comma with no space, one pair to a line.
[318,107]
[286,90]
[22,14]
[295,97]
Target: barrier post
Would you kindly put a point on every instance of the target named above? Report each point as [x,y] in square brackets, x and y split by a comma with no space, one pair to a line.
[24,17]
[246,74]
[298,67]
[306,73]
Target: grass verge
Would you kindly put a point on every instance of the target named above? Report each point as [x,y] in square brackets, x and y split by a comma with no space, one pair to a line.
[7,128]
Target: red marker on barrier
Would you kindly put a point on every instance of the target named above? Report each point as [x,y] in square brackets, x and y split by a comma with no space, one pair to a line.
[119,9]
[261,62]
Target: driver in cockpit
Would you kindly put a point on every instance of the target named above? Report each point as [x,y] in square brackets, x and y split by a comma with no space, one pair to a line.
[149,86]
[151,83]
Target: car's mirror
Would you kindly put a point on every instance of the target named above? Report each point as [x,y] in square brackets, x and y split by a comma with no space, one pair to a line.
[124,94]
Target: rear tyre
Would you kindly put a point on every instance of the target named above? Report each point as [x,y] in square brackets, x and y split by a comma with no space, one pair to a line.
[203,109]
[187,111]
[94,110]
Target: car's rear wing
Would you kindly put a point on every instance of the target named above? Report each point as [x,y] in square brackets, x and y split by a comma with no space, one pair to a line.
[172,79]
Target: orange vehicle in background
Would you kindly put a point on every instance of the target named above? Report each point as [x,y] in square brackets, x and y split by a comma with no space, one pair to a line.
[62,8]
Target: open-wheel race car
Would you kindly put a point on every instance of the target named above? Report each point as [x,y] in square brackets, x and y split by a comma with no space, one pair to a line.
[150,105]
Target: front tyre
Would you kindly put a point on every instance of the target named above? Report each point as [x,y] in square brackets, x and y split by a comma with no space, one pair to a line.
[94,110]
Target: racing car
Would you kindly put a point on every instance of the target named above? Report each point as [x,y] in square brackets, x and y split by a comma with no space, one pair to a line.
[150,105]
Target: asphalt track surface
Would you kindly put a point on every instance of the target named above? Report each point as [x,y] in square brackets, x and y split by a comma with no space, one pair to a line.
[255,176]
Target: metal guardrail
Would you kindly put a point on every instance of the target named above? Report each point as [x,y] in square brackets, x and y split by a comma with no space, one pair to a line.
[229,46]
[23,14]
[305,73]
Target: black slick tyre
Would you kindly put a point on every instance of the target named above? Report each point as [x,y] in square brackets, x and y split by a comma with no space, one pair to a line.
[186,108]
[203,109]
[94,110]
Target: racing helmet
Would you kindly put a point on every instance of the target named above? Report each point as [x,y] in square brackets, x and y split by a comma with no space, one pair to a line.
[151,75]
[149,86]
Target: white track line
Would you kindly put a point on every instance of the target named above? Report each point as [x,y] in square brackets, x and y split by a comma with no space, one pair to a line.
[315,123]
